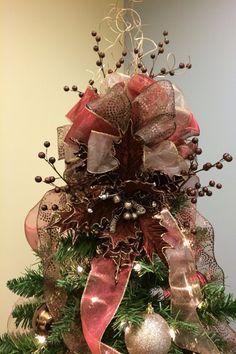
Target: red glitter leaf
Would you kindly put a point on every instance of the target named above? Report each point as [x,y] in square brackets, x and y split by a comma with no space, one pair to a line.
[152,240]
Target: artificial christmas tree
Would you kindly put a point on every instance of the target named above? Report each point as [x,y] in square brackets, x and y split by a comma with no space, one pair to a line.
[126,263]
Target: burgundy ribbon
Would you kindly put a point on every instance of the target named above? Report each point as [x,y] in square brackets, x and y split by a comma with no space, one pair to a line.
[100,301]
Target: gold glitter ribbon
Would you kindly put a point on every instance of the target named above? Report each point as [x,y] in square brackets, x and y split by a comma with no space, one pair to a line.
[55,297]
[185,288]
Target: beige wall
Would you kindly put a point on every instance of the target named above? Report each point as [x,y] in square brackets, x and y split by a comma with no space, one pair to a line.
[205,30]
[46,44]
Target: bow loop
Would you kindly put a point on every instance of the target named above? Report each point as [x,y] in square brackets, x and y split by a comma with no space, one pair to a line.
[114,107]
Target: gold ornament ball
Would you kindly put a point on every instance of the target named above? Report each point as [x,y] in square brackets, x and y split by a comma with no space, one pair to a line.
[42,320]
[127,216]
[152,337]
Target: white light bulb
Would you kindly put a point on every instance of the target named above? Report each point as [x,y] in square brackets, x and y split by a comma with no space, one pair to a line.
[137,267]
[172,333]
[41,339]
[80,269]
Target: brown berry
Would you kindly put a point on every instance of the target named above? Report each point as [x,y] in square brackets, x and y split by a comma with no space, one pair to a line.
[153,56]
[198,151]
[47,180]
[66,88]
[101,55]
[136,50]
[96,48]
[209,193]
[207,166]
[91,82]
[212,183]
[74,88]
[41,155]
[44,207]
[144,70]
[38,179]
[165,33]
[181,65]
[171,72]
[54,207]
[201,194]
[110,71]
[52,160]
[194,200]
[195,140]
[121,60]
[205,189]
[198,185]
[52,179]
[188,66]
[194,166]
[219,165]
[94,33]
[166,41]
[190,157]
[218,185]
[193,192]
[118,64]
[227,157]
[98,38]
[81,94]
[189,190]
[160,44]
[161,51]
[140,65]
[99,63]
[163,70]
[57,189]
[124,53]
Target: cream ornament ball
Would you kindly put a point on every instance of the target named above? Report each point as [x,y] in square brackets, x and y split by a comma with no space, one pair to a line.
[153,337]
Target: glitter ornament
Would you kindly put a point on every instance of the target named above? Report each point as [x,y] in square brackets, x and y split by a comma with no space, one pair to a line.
[153,337]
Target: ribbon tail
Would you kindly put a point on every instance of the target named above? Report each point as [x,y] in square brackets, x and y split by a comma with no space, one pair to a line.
[185,287]
[100,301]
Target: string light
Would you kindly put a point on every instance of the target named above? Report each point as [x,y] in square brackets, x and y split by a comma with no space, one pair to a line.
[137,267]
[80,269]
[172,333]
[41,339]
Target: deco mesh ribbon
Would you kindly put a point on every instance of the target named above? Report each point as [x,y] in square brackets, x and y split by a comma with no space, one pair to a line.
[125,148]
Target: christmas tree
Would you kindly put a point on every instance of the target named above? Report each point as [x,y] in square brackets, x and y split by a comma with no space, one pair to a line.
[125,261]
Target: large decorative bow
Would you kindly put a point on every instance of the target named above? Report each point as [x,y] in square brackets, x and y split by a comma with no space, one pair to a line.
[149,108]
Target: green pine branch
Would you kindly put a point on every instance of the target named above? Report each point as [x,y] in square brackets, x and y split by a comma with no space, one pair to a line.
[29,285]
[84,246]
[18,344]
[72,283]
[178,204]
[217,304]
[156,267]
[70,313]
[174,349]
[23,313]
